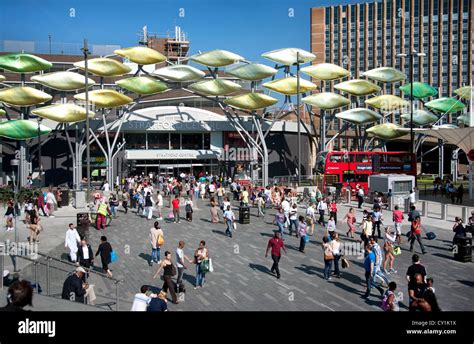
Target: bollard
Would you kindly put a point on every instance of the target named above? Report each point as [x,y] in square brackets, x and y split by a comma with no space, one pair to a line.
[424,208]
[2,263]
[444,211]
[349,196]
[465,214]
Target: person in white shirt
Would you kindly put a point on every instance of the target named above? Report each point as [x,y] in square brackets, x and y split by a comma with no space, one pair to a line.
[225,204]
[412,196]
[229,219]
[293,216]
[50,203]
[360,195]
[71,242]
[310,218]
[286,210]
[180,257]
[159,205]
[106,186]
[141,300]
[322,207]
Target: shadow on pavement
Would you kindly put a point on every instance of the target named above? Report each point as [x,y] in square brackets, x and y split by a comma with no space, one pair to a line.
[443,256]
[219,232]
[205,220]
[468,283]
[311,270]
[145,256]
[260,268]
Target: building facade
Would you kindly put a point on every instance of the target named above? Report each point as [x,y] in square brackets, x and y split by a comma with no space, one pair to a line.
[363,36]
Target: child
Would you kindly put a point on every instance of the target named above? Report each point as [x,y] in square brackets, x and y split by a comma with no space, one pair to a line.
[188,207]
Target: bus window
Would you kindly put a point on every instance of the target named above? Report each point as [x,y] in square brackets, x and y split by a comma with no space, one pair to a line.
[362,178]
[362,158]
[349,177]
[331,179]
[335,158]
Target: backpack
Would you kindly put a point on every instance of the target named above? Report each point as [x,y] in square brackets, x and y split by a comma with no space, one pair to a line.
[188,208]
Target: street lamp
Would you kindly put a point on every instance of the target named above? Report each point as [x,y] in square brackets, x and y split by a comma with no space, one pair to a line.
[412,55]
[85,50]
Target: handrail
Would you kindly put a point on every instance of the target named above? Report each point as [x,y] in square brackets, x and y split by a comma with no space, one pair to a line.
[48,258]
[75,266]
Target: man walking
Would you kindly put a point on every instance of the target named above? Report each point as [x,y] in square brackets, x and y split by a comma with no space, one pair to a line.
[398,217]
[229,219]
[415,234]
[71,241]
[360,195]
[180,257]
[175,203]
[275,244]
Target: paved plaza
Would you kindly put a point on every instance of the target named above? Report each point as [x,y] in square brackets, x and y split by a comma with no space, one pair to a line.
[241,279]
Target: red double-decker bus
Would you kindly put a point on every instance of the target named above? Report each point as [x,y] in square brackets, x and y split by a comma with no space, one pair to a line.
[352,168]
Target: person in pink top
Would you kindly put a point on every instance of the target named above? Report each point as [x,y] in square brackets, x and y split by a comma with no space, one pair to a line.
[351,221]
[397,220]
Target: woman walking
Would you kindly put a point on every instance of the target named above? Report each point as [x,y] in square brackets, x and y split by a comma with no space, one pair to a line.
[50,202]
[9,214]
[336,251]
[105,250]
[333,209]
[328,258]
[35,227]
[214,211]
[200,255]
[188,207]
[302,233]
[331,227]
[351,221]
[388,247]
[156,241]
[169,270]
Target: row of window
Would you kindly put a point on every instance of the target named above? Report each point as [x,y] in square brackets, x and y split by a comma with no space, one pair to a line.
[168,141]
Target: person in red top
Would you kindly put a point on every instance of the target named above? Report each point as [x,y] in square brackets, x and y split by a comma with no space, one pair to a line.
[333,210]
[276,244]
[397,217]
[175,203]
[415,234]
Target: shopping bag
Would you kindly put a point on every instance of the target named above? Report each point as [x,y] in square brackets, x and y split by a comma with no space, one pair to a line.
[113,257]
[306,238]
[171,216]
[211,268]
[234,225]
[344,263]
[205,266]
[397,251]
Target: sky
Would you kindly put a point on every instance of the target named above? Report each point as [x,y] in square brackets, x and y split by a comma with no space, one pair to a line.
[247,27]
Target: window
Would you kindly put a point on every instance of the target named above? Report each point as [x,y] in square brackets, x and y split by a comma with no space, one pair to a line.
[175,141]
[207,141]
[135,141]
[158,141]
[192,141]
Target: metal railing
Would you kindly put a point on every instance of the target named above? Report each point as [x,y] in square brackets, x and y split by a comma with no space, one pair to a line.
[47,263]
[292,181]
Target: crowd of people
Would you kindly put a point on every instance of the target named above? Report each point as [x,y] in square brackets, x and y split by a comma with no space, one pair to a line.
[146,197]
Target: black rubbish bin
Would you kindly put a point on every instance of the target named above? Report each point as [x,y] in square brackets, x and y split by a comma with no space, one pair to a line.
[244,215]
[463,250]
[64,198]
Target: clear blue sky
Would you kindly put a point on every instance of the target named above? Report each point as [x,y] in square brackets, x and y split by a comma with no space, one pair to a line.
[247,27]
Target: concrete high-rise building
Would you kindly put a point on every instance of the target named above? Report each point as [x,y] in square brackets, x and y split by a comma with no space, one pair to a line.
[367,35]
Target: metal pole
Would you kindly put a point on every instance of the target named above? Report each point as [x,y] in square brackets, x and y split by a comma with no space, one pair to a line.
[471,171]
[298,114]
[116,296]
[412,133]
[48,277]
[88,155]
[40,165]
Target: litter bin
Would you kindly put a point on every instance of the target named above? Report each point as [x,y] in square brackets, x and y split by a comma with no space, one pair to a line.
[463,250]
[64,198]
[244,215]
